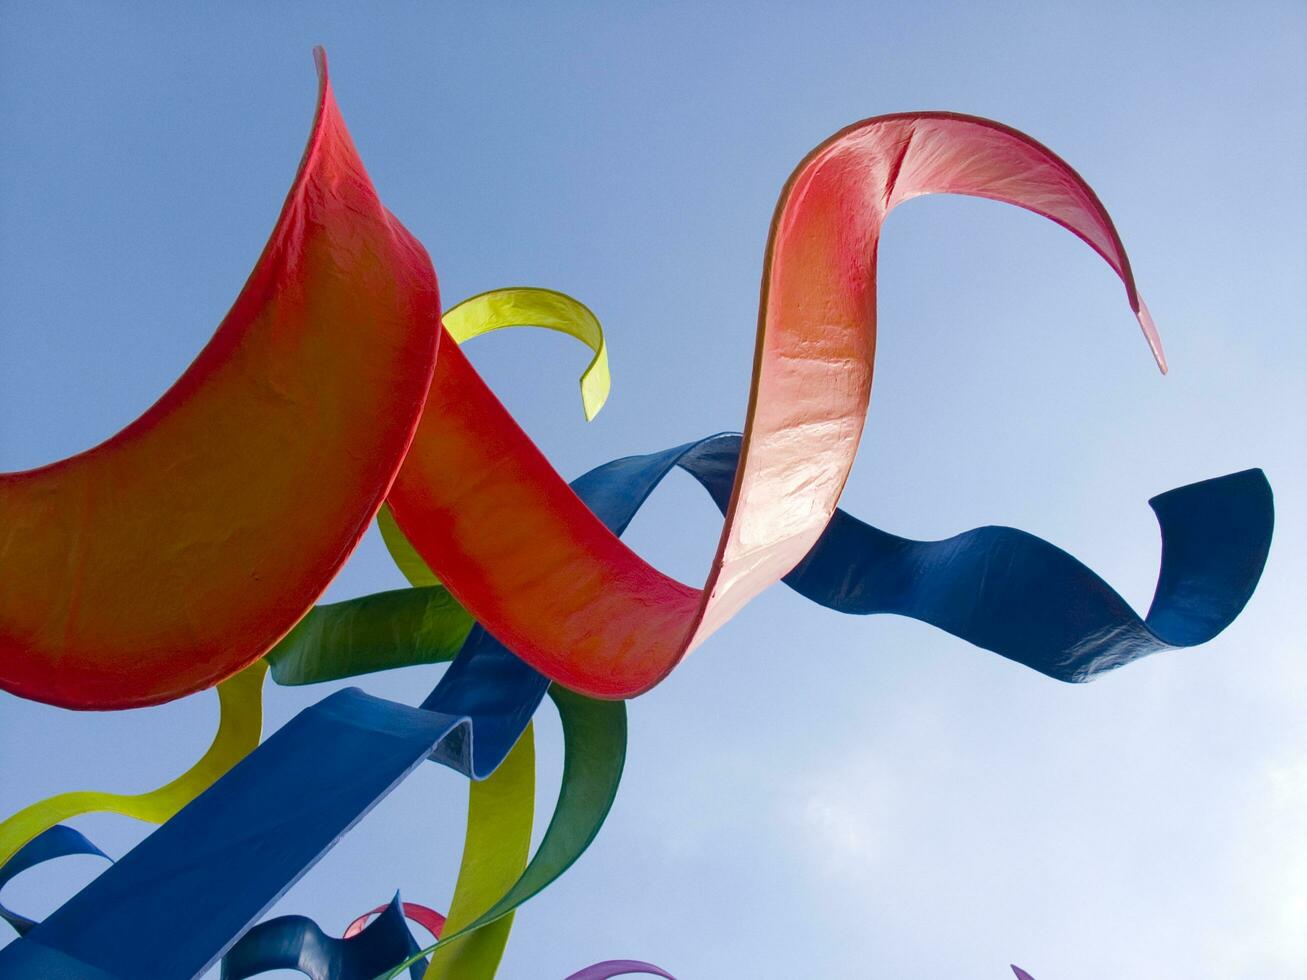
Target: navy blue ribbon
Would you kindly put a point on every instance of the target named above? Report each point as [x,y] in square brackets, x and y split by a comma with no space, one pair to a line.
[56,842]
[293,942]
[173,905]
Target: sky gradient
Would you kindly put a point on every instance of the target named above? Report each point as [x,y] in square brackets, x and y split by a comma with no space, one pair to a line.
[1152,824]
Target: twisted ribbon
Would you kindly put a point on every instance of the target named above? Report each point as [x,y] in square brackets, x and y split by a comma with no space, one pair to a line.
[477,515]
[51,843]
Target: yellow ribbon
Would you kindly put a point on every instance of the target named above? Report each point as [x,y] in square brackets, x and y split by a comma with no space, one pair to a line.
[240,725]
[530,307]
[495,851]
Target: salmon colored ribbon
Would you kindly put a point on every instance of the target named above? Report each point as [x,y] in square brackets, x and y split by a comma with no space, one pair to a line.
[496,524]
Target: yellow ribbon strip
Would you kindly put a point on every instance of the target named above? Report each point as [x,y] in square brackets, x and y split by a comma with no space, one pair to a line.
[495,851]
[524,306]
[240,725]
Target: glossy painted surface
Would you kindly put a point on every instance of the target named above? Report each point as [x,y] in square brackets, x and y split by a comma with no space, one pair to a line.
[184,547]
[540,570]
[1010,592]
[516,547]
[317,375]
[998,587]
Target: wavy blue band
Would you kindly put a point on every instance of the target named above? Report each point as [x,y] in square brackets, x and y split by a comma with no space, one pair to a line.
[293,942]
[173,905]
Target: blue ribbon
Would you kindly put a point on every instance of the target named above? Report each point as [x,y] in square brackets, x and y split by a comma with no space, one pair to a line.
[293,942]
[171,906]
[56,842]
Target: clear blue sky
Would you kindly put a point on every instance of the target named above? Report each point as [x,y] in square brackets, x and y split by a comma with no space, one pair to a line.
[1150,825]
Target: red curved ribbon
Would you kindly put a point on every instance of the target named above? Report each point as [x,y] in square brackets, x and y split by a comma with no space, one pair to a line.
[180,550]
[429,919]
[515,545]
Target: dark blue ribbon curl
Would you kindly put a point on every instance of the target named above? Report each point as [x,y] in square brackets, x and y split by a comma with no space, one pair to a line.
[173,905]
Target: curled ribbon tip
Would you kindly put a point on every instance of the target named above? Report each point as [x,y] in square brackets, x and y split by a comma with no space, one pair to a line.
[53,842]
[429,919]
[1150,333]
[529,306]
